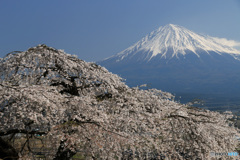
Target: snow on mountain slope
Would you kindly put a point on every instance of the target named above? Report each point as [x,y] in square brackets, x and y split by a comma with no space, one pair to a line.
[176,40]
[176,59]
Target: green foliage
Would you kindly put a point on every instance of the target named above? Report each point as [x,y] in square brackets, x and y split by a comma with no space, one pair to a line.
[79,156]
[238,148]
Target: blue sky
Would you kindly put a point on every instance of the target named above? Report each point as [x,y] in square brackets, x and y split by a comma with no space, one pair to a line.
[97,29]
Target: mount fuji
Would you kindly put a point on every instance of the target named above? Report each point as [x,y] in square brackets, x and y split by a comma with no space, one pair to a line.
[175,59]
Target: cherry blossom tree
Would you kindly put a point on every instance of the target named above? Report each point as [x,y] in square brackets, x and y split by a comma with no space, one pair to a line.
[71,106]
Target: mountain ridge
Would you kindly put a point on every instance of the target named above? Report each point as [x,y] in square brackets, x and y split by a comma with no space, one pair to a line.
[178,39]
[195,70]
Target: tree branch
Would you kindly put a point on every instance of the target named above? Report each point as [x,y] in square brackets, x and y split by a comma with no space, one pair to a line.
[21,131]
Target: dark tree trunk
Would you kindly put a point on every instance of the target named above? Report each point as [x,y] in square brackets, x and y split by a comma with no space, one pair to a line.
[7,152]
[63,153]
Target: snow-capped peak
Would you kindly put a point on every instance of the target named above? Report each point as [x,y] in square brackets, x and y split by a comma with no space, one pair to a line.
[180,41]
